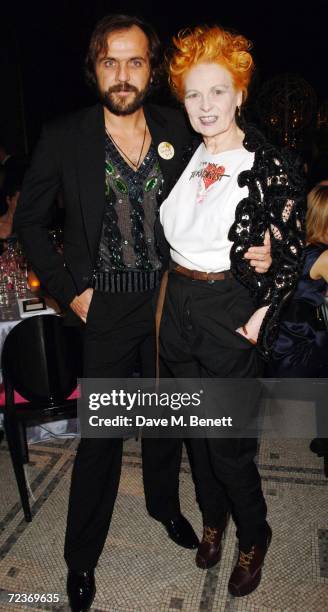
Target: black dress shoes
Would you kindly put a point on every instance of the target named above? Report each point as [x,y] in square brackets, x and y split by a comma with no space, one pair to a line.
[181,532]
[319,446]
[81,590]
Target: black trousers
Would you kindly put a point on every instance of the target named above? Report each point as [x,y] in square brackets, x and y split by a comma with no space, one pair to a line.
[119,331]
[198,340]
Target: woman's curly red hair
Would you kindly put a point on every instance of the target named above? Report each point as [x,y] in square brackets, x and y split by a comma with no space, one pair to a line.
[212,45]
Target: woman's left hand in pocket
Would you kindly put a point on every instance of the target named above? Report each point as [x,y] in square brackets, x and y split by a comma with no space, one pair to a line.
[250,330]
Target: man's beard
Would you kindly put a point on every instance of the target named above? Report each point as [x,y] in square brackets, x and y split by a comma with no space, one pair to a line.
[120,106]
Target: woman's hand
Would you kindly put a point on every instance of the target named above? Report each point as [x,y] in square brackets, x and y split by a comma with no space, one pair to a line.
[251,329]
[260,256]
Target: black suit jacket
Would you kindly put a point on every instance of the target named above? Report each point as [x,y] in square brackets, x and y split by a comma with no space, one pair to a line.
[70,157]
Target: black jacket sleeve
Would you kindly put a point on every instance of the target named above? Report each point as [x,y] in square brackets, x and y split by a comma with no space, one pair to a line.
[33,216]
[285,204]
[276,202]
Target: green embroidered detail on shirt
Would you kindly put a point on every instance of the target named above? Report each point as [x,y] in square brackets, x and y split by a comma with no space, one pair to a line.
[109,167]
[151,183]
[121,186]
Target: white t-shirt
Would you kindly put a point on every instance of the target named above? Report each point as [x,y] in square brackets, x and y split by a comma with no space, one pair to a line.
[199,211]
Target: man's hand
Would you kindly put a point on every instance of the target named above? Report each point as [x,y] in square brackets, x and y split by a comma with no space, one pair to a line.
[260,256]
[80,304]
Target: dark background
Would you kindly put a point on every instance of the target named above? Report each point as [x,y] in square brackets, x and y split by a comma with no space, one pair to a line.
[42,48]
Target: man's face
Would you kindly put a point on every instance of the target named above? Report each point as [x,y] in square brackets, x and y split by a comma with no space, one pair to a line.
[123,73]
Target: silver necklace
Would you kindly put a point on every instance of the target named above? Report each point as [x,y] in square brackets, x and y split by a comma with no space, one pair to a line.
[125,155]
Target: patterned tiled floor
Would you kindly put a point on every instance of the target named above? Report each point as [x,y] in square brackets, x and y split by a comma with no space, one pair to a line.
[141,570]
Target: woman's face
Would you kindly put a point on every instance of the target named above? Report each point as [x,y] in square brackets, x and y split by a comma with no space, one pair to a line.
[211,99]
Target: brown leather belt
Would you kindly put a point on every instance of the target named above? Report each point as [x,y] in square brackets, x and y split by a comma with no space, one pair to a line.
[195,275]
[203,276]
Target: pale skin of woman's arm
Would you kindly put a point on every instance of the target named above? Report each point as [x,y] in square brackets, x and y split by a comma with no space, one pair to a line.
[320,267]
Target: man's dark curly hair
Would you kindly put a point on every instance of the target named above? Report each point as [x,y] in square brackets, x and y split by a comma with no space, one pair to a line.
[115,23]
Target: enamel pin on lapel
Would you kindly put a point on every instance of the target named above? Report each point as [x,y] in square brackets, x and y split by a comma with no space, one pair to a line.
[165,150]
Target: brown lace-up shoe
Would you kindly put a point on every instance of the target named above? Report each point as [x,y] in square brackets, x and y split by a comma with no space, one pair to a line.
[209,550]
[247,572]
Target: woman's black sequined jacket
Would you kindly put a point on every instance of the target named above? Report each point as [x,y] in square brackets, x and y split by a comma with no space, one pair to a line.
[276,201]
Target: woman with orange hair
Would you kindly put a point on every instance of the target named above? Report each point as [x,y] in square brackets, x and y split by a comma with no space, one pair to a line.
[220,316]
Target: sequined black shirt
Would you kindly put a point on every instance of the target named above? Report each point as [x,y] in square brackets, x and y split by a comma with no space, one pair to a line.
[127,240]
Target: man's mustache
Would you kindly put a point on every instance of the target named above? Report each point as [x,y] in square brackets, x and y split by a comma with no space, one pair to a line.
[122,87]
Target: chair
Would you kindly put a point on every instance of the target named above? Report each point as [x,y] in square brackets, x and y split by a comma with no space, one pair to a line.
[41,360]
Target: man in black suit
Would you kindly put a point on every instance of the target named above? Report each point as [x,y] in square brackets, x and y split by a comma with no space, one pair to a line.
[114,163]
